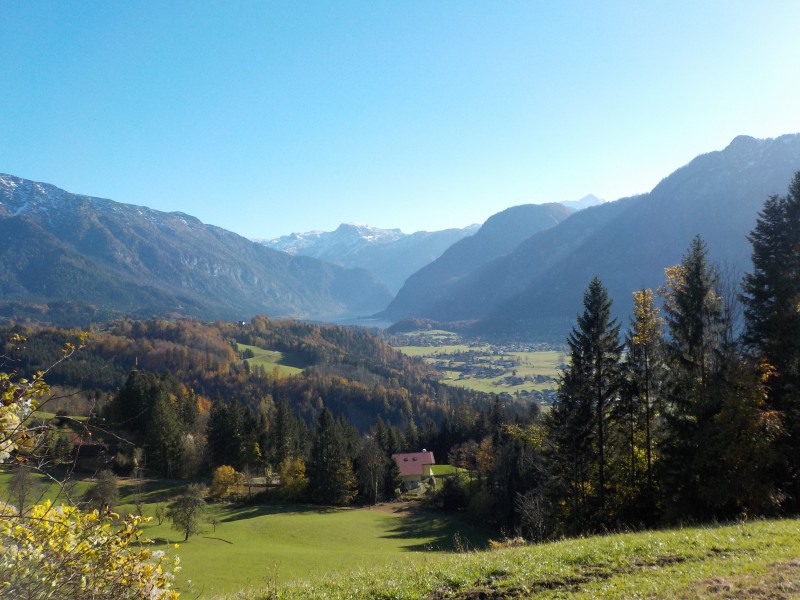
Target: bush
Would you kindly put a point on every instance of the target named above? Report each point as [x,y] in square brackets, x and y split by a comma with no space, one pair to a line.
[225,480]
[62,553]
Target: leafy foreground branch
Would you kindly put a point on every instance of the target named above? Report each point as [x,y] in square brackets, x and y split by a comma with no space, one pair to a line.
[59,552]
[750,560]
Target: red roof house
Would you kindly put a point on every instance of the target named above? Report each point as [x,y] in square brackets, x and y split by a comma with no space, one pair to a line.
[414,466]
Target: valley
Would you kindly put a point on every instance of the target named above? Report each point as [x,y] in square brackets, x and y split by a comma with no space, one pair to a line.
[525,371]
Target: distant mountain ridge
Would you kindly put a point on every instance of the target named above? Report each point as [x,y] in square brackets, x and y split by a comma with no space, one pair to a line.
[389,254]
[500,234]
[585,202]
[535,290]
[58,248]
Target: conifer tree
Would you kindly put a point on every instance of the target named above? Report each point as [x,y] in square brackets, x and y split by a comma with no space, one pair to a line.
[772,315]
[579,423]
[694,316]
[330,471]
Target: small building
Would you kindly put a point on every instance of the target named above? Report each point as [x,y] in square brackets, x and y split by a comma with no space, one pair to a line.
[415,467]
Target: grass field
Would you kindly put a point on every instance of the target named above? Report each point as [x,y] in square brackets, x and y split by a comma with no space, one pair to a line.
[262,545]
[754,560]
[395,552]
[449,359]
[272,360]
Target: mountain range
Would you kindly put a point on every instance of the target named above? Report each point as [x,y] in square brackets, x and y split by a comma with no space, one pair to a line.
[499,235]
[389,254]
[70,259]
[535,290]
[67,257]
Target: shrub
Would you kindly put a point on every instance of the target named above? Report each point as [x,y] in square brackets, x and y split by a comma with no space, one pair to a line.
[62,553]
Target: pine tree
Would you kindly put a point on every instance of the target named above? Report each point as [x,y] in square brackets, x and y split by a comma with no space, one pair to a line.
[330,471]
[697,330]
[580,417]
[772,315]
[163,436]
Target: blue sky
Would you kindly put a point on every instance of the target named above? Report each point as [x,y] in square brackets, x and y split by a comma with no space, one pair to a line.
[272,117]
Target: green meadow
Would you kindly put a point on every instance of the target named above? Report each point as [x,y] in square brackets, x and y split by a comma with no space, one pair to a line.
[272,360]
[264,545]
[259,552]
[449,360]
[756,560]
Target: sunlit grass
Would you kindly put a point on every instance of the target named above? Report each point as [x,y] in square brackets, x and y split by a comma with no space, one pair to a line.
[753,560]
[272,360]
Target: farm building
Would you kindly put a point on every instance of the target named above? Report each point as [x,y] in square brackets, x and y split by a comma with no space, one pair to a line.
[415,467]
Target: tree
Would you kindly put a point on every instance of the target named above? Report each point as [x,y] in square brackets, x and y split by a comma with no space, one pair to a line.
[580,416]
[371,470]
[771,297]
[103,495]
[694,316]
[163,437]
[187,510]
[22,485]
[224,481]
[62,553]
[694,354]
[642,368]
[330,472]
[292,477]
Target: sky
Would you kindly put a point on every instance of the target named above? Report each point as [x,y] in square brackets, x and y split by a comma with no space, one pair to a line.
[267,117]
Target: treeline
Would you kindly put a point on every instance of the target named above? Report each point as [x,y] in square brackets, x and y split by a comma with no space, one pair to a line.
[693,415]
[690,411]
[349,370]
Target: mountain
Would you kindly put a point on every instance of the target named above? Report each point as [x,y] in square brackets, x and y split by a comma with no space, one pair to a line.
[389,254]
[585,202]
[500,234]
[88,257]
[536,290]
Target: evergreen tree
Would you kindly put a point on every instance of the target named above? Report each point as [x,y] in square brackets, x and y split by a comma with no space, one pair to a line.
[232,431]
[580,416]
[164,435]
[694,316]
[772,316]
[330,471]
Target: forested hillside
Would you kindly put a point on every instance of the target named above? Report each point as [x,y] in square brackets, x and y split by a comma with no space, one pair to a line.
[68,259]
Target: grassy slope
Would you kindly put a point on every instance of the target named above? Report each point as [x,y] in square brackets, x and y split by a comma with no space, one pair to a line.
[754,560]
[272,544]
[255,545]
[272,360]
[307,552]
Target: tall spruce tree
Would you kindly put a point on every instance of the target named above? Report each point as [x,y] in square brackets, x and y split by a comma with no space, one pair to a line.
[694,316]
[579,421]
[772,316]
[330,470]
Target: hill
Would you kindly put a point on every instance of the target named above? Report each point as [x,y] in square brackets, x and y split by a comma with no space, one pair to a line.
[389,254]
[499,235]
[348,370]
[70,258]
[747,560]
[536,289]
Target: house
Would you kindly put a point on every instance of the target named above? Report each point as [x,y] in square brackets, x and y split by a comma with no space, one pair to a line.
[415,467]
